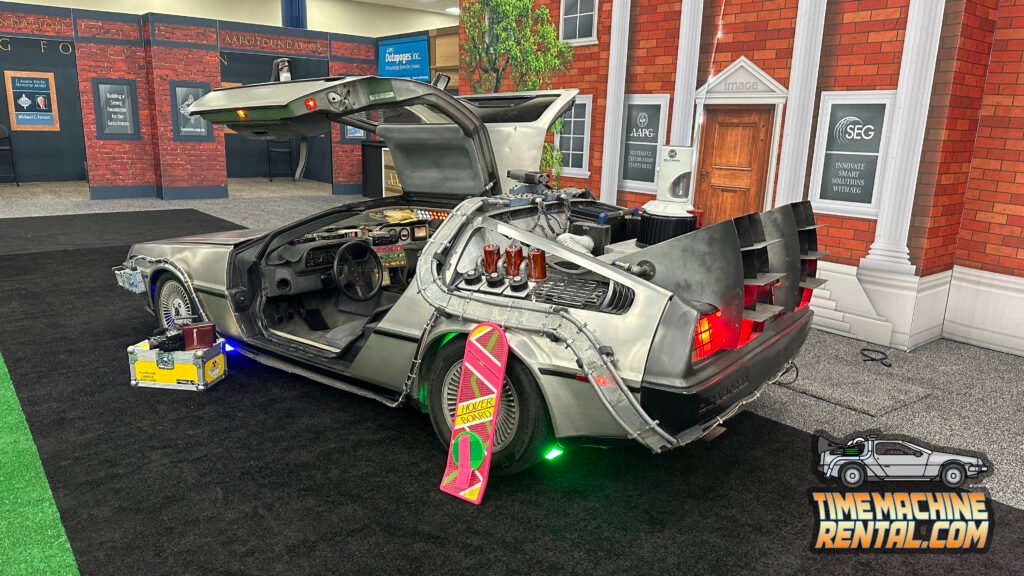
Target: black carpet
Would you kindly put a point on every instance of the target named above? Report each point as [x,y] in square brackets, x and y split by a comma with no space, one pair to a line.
[72,231]
[268,473]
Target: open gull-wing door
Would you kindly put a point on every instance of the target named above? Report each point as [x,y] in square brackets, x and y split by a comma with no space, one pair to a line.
[440,147]
[518,123]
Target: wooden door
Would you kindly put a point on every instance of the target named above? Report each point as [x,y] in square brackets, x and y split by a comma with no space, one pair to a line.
[733,161]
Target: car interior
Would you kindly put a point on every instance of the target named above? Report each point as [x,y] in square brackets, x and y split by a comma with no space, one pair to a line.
[328,288]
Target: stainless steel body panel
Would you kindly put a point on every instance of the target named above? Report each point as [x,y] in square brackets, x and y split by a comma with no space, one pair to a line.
[593,365]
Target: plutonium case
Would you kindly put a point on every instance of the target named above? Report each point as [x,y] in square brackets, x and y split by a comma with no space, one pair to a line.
[185,370]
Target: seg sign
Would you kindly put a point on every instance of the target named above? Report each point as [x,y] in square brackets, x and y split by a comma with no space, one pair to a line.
[849,150]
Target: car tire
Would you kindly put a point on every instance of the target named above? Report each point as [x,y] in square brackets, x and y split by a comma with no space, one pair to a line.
[172,297]
[531,430]
[953,475]
[852,475]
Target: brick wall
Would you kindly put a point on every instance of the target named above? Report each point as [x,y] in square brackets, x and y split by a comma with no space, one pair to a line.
[183,52]
[846,239]
[992,225]
[653,46]
[952,128]
[110,47]
[588,73]
[243,39]
[33,21]
[349,58]
[861,49]
[761,30]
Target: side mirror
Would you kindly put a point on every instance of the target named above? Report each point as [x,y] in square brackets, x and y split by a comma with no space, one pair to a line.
[918,454]
[441,81]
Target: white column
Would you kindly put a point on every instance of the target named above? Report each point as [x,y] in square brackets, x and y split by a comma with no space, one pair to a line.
[889,252]
[803,86]
[615,98]
[687,61]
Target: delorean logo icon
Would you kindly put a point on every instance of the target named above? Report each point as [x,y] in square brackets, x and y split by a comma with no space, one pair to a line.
[853,128]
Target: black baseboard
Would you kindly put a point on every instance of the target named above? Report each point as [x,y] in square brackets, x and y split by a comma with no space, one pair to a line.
[193,192]
[119,192]
[346,189]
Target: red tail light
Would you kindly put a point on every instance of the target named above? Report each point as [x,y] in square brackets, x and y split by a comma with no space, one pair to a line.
[706,341]
[310,103]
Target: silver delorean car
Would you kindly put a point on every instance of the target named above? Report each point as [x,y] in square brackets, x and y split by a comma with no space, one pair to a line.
[628,330]
[874,459]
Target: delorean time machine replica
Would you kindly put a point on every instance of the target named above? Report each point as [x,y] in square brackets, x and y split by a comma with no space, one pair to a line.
[621,324]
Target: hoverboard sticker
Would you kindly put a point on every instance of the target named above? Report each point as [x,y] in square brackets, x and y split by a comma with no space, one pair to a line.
[469,452]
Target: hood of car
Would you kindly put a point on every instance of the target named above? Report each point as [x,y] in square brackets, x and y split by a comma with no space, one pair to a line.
[438,145]
[229,238]
[945,456]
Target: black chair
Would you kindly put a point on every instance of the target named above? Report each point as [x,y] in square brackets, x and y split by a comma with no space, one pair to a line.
[278,147]
[7,145]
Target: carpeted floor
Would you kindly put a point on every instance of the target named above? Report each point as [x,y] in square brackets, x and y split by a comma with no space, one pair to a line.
[32,538]
[49,233]
[268,473]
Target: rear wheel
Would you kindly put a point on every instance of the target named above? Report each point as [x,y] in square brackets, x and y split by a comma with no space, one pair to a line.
[851,475]
[522,426]
[173,305]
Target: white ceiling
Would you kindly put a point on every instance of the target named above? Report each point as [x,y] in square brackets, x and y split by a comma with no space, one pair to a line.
[427,5]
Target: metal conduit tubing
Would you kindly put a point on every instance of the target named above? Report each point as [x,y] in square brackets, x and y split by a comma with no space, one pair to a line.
[463,213]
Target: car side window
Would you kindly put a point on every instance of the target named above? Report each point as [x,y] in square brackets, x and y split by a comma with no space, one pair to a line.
[893,449]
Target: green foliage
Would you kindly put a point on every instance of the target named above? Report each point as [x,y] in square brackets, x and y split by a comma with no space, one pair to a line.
[510,44]
[551,156]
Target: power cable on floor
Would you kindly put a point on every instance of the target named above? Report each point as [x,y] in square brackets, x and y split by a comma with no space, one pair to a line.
[872,355]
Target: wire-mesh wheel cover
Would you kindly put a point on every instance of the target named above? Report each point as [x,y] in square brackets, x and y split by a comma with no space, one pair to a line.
[507,420]
[175,305]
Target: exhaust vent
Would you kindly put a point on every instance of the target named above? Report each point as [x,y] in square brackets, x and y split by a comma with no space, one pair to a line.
[655,228]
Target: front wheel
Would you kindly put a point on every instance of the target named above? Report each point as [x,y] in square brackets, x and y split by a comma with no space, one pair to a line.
[953,475]
[522,429]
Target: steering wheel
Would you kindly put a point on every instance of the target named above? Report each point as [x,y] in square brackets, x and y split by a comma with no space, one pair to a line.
[358,271]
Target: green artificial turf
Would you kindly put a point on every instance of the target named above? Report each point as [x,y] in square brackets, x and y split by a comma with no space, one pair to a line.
[32,538]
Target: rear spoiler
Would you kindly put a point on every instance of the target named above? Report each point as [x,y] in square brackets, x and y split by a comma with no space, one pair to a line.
[753,269]
[825,445]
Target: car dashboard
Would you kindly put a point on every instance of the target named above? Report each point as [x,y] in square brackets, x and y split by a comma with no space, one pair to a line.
[396,234]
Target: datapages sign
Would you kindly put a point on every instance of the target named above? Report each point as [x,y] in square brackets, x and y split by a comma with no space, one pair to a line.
[404,58]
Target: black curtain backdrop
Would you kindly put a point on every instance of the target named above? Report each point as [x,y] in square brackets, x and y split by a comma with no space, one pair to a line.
[45,156]
[248,158]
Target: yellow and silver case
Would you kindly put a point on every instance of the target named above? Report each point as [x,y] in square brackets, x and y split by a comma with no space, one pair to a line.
[194,370]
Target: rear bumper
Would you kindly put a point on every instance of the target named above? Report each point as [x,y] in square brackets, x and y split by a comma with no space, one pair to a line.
[727,381]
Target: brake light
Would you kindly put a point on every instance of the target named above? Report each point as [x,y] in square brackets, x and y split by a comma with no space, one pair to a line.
[310,103]
[706,336]
[805,297]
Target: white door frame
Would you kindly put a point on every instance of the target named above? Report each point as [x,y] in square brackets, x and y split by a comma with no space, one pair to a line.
[775,95]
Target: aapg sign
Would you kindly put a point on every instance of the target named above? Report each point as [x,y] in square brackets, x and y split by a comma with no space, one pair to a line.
[640,130]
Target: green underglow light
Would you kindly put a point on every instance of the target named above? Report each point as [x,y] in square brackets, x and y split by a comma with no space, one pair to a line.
[447,338]
[555,452]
